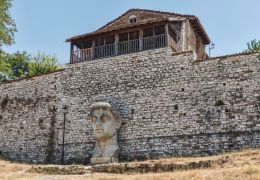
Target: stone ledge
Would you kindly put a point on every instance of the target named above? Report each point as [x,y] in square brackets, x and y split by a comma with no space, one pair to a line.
[158,166]
[103,160]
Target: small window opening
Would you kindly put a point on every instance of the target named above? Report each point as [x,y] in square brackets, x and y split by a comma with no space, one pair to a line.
[132,19]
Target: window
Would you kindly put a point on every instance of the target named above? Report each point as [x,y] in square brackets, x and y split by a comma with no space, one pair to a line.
[133,35]
[99,41]
[128,36]
[86,44]
[148,32]
[110,40]
[123,37]
[105,40]
[128,42]
[159,30]
[154,31]
[132,19]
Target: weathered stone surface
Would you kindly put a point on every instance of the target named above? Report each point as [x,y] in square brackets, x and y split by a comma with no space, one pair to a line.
[103,160]
[157,167]
[170,105]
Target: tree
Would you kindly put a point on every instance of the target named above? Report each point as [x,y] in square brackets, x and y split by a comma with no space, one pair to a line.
[5,68]
[7,24]
[5,71]
[253,46]
[13,66]
[42,63]
[19,63]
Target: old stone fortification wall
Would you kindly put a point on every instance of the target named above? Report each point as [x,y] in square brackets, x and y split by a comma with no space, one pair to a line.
[170,105]
[28,118]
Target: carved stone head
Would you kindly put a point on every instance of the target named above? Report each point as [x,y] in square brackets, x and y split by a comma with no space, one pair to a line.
[105,121]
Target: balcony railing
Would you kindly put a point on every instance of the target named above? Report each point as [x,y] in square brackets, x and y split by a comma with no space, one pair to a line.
[104,51]
[154,42]
[126,47]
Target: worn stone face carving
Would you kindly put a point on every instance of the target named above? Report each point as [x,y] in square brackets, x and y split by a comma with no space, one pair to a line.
[105,123]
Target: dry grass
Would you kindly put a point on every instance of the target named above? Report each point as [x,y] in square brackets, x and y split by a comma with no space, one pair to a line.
[241,165]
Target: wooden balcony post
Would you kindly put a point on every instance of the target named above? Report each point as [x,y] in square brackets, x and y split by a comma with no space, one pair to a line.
[71,53]
[167,34]
[140,39]
[82,52]
[116,43]
[92,56]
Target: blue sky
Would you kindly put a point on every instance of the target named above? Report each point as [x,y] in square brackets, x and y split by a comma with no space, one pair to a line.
[43,25]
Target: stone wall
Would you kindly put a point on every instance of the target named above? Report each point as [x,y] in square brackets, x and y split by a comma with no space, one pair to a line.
[194,41]
[171,105]
[28,118]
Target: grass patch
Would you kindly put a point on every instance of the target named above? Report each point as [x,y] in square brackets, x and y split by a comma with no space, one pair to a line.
[62,170]
[251,170]
[239,166]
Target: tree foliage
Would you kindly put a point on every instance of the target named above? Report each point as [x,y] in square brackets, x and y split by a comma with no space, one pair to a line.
[5,71]
[7,24]
[19,65]
[253,45]
[42,63]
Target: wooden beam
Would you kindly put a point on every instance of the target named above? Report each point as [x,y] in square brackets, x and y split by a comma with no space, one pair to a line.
[141,39]
[71,53]
[167,34]
[116,43]
[93,48]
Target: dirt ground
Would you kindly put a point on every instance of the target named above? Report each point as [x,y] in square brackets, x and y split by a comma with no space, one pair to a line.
[240,165]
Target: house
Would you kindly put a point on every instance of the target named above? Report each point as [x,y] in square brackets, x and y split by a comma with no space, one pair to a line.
[140,30]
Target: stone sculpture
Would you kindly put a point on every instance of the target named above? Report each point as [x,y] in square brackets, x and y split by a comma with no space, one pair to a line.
[105,123]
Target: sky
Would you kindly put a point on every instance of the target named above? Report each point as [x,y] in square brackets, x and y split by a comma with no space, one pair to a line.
[43,25]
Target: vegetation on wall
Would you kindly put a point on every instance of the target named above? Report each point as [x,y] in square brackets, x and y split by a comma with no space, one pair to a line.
[42,63]
[253,45]
[19,64]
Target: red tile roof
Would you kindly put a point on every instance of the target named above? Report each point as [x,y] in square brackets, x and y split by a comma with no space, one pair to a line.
[144,17]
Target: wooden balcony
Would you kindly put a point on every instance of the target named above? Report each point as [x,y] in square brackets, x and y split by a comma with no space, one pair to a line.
[120,48]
